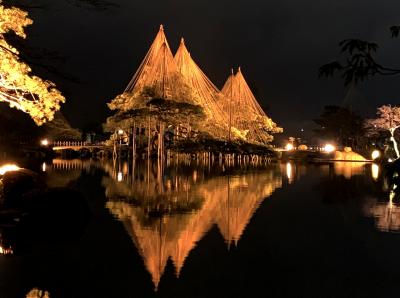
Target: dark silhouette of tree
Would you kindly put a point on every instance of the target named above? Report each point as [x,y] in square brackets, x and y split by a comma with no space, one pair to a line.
[341,125]
[59,129]
[359,62]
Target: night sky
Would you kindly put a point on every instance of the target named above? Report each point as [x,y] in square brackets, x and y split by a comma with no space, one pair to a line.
[278,44]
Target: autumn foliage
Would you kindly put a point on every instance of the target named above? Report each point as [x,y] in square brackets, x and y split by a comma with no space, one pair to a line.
[18,87]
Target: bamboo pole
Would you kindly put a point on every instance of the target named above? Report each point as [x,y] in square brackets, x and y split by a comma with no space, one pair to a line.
[149,140]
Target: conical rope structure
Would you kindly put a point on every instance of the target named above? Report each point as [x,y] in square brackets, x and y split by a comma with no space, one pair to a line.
[156,77]
[187,95]
[159,72]
[204,90]
[247,119]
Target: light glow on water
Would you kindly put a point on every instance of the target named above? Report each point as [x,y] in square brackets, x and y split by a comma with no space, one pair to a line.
[289,172]
[375,171]
[119,176]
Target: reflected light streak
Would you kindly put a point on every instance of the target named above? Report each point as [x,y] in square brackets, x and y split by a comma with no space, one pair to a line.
[375,171]
[44,167]
[289,172]
[119,176]
[8,168]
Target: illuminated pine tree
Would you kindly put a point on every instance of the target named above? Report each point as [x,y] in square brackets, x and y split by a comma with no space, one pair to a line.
[18,87]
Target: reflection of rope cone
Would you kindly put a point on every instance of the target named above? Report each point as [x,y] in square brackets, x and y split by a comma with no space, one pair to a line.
[245,195]
[349,169]
[175,235]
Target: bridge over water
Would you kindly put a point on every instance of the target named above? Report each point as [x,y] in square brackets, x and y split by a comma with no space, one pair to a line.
[79,146]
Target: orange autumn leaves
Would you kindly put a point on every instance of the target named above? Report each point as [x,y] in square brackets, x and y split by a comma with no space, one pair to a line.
[18,87]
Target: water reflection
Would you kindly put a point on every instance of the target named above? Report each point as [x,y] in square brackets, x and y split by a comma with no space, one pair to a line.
[349,169]
[62,172]
[293,171]
[6,250]
[289,172]
[36,293]
[375,171]
[167,211]
[386,214]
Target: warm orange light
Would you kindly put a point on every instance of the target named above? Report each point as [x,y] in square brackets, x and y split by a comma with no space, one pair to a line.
[329,148]
[289,171]
[289,147]
[5,251]
[8,168]
[375,171]
[44,142]
[375,154]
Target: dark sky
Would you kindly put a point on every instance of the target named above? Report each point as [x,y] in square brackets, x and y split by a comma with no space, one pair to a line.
[279,44]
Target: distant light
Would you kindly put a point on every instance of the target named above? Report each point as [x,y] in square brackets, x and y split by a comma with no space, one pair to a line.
[289,147]
[44,167]
[8,168]
[390,160]
[302,129]
[329,148]
[375,171]
[375,154]
[119,176]
[6,251]
[44,142]
[120,132]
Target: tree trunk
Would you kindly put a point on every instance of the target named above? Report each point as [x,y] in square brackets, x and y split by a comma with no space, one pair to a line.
[396,148]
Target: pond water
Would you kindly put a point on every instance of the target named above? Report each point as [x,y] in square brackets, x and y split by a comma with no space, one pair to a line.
[189,229]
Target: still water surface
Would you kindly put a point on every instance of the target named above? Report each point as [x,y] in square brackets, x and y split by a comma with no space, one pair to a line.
[201,230]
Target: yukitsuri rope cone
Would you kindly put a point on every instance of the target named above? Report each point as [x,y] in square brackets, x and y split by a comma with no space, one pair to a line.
[247,119]
[232,114]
